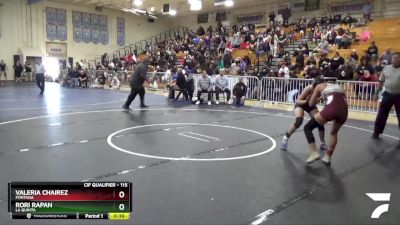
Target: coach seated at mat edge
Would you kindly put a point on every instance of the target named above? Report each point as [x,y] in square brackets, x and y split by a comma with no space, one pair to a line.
[221,86]
[204,86]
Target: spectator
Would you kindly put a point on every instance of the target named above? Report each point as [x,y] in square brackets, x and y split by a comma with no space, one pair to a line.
[323,47]
[372,50]
[347,19]
[281,39]
[389,79]
[3,69]
[365,65]
[239,92]
[367,10]
[299,60]
[323,62]
[271,17]
[28,72]
[204,86]
[304,47]
[18,68]
[83,79]
[346,72]
[284,71]
[286,14]
[345,41]
[336,62]
[354,55]
[105,60]
[221,86]
[311,61]
[387,56]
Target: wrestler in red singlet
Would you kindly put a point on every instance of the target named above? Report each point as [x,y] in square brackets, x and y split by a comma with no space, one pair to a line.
[335,110]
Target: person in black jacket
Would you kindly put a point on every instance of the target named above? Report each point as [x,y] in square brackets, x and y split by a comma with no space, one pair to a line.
[239,92]
[139,77]
[18,68]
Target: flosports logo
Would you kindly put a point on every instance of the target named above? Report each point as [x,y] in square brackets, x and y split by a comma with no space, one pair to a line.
[379,197]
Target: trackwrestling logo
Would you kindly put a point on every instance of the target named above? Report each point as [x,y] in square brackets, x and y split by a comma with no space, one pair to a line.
[379,197]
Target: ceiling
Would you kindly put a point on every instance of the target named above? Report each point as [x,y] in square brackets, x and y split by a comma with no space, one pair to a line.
[181,6]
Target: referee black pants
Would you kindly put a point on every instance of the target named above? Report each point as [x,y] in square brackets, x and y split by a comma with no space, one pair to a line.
[388,100]
[40,82]
[132,96]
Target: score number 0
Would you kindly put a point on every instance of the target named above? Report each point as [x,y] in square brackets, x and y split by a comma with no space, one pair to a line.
[121,206]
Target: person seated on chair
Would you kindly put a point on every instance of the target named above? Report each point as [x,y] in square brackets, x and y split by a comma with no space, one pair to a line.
[115,83]
[83,79]
[239,92]
[221,86]
[204,86]
[178,84]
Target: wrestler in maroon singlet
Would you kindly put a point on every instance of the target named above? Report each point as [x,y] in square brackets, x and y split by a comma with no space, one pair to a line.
[335,110]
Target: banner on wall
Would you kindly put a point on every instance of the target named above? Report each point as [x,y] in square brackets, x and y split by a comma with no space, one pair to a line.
[347,6]
[57,50]
[94,21]
[251,18]
[311,5]
[76,18]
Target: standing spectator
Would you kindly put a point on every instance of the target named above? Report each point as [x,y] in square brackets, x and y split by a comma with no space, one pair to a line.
[286,14]
[204,86]
[389,79]
[18,68]
[28,72]
[105,60]
[3,69]
[271,17]
[281,38]
[367,10]
[372,50]
[221,86]
[40,72]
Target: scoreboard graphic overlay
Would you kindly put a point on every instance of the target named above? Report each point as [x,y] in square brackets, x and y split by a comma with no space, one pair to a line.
[70,200]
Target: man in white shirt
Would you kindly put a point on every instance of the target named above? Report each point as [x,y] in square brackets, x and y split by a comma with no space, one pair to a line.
[284,71]
[40,72]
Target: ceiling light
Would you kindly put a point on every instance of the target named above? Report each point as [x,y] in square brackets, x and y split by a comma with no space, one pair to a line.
[172,12]
[228,3]
[138,2]
[152,9]
[195,5]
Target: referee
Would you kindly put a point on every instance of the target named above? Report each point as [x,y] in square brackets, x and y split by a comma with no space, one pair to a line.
[390,79]
[139,77]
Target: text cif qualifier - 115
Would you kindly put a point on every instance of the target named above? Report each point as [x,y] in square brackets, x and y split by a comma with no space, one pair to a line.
[70,200]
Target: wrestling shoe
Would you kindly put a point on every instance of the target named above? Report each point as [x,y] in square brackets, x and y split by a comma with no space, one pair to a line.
[323,147]
[209,103]
[326,160]
[313,157]
[285,141]
[198,103]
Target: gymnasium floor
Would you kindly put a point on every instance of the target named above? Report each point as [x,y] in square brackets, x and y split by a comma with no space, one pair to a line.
[191,164]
